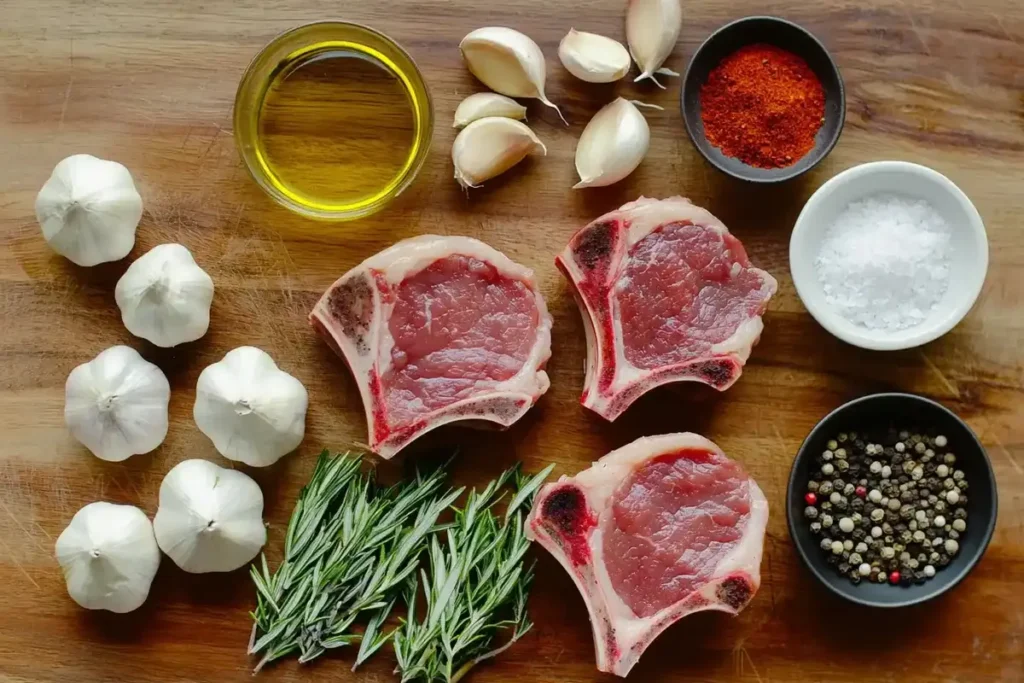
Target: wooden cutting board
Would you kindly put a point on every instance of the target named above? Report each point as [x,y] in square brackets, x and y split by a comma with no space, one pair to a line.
[151,85]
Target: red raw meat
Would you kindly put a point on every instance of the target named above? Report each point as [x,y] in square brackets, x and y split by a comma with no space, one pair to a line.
[667,295]
[438,329]
[652,532]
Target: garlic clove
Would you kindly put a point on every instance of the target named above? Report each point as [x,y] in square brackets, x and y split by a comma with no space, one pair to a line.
[109,556]
[593,58]
[484,104]
[89,210]
[116,404]
[253,411]
[652,28]
[508,62]
[165,297]
[210,519]
[612,145]
[490,146]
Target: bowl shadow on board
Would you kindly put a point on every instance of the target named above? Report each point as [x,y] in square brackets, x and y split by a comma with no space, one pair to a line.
[901,411]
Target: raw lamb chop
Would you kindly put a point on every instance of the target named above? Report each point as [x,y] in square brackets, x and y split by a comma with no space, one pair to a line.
[438,329]
[667,295]
[652,532]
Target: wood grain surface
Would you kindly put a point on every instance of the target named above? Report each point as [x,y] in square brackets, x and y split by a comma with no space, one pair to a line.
[940,82]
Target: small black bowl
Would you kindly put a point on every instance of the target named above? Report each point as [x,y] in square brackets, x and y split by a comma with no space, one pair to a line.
[788,36]
[901,411]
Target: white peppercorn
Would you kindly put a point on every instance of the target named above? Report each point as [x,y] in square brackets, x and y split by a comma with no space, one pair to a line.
[959,525]
[894,504]
[886,471]
[900,447]
[837,547]
[864,569]
[848,545]
[919,447]
[827,469]
[874,495]
[939,521]
[919,536]
[951,546]
[929,571]
[941,441]
[835,497]
[861,547]
[942,471]
[876,532]
[846,525]
[953,497]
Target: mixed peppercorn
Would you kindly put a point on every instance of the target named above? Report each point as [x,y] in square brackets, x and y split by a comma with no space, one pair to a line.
[887,510]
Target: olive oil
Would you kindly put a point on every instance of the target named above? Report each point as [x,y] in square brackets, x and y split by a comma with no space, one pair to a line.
[336,127]
[333,120]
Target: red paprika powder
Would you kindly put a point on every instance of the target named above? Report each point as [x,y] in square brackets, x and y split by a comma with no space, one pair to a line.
[763,106]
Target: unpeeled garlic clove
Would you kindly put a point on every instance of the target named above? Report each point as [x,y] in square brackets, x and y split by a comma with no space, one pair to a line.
[490,146]
[593,58]
[612,145]
[652,28]
[507,62]
[484,104]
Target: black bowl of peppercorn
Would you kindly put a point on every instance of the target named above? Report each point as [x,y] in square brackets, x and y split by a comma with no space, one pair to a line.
[763,100]
[891,500]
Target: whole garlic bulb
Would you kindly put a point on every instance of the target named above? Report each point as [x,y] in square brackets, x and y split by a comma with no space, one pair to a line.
[210,519]
[116,404]
[109,557]
[165,297]
[612,145]
[252,411]
[593,58]
[507,61]
[89,210]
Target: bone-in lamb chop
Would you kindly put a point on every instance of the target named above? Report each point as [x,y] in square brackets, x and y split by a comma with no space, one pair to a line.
[667,294]
[652,532]
[437,329]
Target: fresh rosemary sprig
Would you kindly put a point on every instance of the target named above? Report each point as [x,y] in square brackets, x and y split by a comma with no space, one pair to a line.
[350,548]
[475,585]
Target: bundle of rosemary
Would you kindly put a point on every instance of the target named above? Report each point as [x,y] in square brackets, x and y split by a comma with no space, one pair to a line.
[353,548]
[475,585]
[350,548]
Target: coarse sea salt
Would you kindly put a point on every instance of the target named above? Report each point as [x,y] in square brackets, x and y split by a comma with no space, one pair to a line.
[884,262]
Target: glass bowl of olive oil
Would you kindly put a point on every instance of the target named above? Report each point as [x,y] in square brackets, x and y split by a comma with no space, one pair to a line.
[333,120]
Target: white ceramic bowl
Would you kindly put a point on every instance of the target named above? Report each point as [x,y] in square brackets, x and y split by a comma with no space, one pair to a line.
[968,253]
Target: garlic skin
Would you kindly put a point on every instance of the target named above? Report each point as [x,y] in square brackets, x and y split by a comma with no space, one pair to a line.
[210,519]
[109,557]
[507,61]
[490,146]
[652,29]
[484,104]
[252,411]
[612,145]
[165,297]
[116,404]
[593,58]
[89,210]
